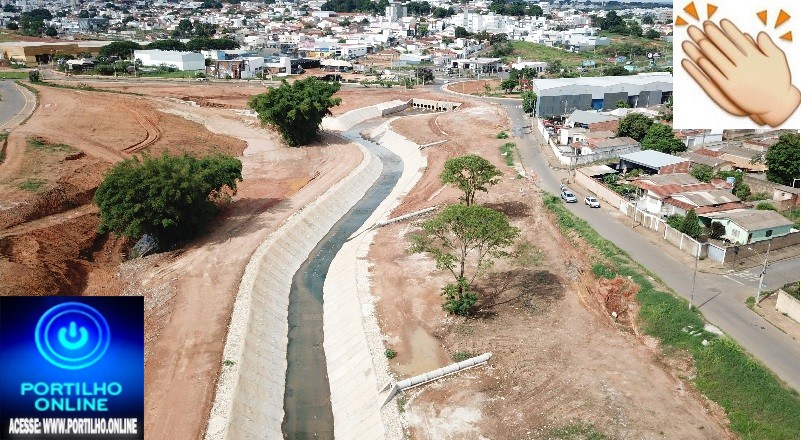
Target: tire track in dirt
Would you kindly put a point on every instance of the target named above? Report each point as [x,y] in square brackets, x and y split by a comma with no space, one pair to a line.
[153,134]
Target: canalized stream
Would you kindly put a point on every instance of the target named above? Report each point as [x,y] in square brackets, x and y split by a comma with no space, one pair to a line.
[307,399]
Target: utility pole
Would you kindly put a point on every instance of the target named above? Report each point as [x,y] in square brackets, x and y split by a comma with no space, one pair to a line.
[692,292]
[762,276]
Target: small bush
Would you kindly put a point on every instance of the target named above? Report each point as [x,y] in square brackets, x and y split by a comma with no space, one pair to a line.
[502,135]
[461,356]
[765,206]
[508,152]
[228,362]
[390,353]
[459,299]
[717,230]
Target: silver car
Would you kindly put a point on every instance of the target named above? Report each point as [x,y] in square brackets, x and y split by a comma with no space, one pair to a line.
[592,202]
[569,197]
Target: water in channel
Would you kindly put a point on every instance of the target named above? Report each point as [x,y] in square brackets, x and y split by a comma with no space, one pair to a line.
[307,398]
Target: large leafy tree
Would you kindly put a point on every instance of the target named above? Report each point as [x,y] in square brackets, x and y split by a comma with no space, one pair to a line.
[529,101]
[690,225]
[470,174]
[464,240]
[119,49]
[635,126]
[296,110]
[198,44]
[166,45]
[782,159]
[32,22]
[167,197]
[660,138]
[702,172]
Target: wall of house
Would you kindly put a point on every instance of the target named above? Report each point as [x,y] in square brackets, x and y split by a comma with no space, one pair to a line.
[761,247]
[761,234]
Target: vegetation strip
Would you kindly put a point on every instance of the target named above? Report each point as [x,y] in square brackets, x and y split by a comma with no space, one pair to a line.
[36,95]
[757,403]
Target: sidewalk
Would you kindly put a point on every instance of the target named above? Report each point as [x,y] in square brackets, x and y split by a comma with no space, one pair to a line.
[767,309]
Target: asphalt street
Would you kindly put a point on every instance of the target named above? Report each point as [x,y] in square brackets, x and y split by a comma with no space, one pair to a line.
[721,298]
[16,104]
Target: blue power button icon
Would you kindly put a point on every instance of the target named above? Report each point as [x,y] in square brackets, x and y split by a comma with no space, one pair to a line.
[72,335]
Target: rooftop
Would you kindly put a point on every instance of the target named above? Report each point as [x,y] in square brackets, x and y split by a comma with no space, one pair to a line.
[752,219]
[587,117]
[652,159]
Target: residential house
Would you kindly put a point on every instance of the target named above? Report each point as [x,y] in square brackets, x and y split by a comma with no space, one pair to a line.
[743,159]
[694,138]
[702,201]
[583,118]
[654,162]
[710,158]
[744,226]
[655,189]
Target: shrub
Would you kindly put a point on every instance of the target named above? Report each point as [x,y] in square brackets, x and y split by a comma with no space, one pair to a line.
[717,230]
[765,206]
[459,299]
[502,135]
[461,356]
[390,353]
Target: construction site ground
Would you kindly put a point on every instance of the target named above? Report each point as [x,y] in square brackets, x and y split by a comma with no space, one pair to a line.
[558,358]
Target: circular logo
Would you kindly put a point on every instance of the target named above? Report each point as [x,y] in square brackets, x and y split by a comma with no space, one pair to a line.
[72,335]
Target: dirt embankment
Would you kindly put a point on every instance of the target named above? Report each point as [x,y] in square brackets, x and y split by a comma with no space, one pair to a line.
[54,163]
[559,359]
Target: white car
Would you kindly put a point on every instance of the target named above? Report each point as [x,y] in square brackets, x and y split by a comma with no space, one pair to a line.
[592,202]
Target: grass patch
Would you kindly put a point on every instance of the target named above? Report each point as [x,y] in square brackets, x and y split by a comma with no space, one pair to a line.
[502,135]
[13,75]
[792,214]
[541,52]
[37,97]
[3,136]
[602,270]
[576,431]
[402,401]
[758,405]
[460,356]
[32,185]
[86,87]
[508,152]
[39,144]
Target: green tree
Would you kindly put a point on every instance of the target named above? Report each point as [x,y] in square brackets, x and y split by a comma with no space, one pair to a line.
[198,44]
[460,236]
[470,174]
[554,66]
[296,110]
[12,26]
[616,71]
[167,197]
[529,101]
[648,19]
[660,138]
[690,225]
[652,34]
[51,32]
[702,172]
[169,44]
[782,159]
[622,104]
[717,230]
[119,49]
[460,32]
[635,126]
[509,84]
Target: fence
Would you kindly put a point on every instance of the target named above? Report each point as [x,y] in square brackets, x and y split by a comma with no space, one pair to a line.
[758,248]
[646,219]
[597,188]
[685,243]
[788,305]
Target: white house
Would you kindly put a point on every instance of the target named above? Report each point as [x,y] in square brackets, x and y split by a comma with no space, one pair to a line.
[178,59]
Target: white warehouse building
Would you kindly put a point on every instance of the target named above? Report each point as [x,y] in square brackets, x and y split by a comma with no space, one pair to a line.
[178,59]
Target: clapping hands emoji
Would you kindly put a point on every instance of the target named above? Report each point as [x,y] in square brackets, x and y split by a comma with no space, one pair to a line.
[745,77]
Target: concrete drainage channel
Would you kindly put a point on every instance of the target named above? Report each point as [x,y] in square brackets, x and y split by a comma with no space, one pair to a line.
[263,367]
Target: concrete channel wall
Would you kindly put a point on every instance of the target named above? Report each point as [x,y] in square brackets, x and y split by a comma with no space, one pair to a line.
[348,120]
[249,402]
[354,349]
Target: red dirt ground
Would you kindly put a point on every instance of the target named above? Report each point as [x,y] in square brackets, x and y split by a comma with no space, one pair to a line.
[559,359]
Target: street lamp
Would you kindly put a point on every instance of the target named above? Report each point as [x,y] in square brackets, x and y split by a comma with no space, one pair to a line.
[764,271]
[695,272]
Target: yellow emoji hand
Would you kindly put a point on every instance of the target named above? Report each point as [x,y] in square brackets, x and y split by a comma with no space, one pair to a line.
[743,76]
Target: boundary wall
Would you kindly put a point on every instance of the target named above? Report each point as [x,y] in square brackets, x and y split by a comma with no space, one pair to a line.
[249,400]
[353,343]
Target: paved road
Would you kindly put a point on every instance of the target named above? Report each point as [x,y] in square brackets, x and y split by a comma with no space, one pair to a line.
[720,298]
[16,105]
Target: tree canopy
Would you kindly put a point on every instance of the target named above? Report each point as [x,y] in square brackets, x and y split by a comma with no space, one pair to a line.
[32,22]
[464,240]
[166,45]
[660,138]
[782,159]
[296,110]
[119,49]
[377,8]
[690,225]
[529,101]
[635,126]
[166,197]
[702,172]
[616,71]
[198,44]
[469,173]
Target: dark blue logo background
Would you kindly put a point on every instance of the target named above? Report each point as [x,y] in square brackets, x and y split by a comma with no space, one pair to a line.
[76,360]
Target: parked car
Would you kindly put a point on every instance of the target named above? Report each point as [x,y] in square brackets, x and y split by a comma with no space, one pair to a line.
[569,197]
[592,202]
